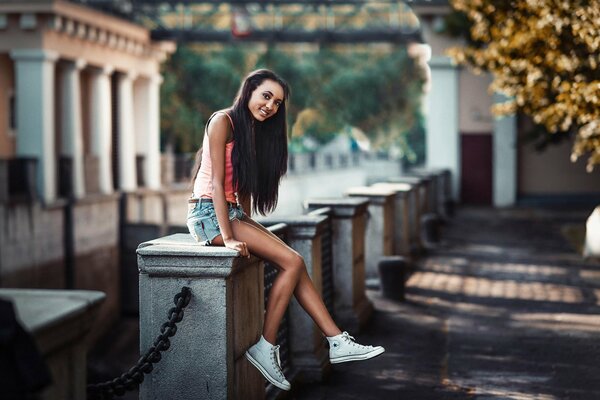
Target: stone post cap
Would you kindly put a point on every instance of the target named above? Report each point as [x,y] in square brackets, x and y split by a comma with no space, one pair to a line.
[181,255]
[40,309]
[301,226]
[425,175]
[430,170]
[400,188]
[414,180]
[376,195]
[340,207]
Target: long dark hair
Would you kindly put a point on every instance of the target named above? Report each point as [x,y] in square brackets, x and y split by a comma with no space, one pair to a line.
[259,155]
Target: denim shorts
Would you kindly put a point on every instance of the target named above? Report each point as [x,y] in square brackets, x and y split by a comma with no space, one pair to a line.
[202,220]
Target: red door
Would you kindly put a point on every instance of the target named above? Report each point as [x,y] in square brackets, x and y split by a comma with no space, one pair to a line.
[476,169]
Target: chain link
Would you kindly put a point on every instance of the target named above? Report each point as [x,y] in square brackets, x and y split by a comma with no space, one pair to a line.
[131,379]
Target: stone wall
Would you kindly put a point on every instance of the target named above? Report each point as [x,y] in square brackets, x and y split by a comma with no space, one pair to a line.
[32,240]
[42,249]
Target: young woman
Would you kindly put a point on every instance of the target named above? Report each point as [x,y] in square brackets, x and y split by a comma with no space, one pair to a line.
[243,157]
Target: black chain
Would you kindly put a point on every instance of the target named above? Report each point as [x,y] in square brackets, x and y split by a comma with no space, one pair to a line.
[132,378]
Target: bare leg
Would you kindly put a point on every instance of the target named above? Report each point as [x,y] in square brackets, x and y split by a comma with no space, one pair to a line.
[292,278]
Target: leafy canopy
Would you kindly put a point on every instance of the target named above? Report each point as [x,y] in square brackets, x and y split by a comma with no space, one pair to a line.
[544,56]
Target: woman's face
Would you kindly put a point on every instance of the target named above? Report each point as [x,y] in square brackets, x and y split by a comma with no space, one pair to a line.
[266,100]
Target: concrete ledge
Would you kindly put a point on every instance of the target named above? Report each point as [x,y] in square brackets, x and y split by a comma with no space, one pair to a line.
[59,321]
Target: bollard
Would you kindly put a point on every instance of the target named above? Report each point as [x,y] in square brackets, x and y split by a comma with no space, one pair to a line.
[380,225]
[352,308]
[224,317]
[392,276]
[307,345]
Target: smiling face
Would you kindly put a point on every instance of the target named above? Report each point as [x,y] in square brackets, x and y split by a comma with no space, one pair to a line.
[266,100]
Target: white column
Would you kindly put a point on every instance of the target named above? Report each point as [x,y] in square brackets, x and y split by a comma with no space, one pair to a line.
[505,158]
[127,167]
[34,69]
[147,127]
[441,107]
[72,133]
[101,126]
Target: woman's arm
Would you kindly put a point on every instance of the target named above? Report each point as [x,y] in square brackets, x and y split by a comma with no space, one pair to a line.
[219,130]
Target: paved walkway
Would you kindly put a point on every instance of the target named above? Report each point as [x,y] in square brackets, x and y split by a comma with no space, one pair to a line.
[504,310]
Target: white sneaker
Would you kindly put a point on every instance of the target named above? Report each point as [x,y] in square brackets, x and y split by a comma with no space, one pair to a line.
[265,357]
[343,348]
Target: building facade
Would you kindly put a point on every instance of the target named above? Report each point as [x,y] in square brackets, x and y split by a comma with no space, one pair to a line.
[79,127]
[491,163]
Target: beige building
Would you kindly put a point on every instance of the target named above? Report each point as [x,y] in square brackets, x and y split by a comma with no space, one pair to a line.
[80,94]
[490,162]
[79,136]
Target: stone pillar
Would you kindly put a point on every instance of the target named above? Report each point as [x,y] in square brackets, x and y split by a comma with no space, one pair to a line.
[101,126]
[352,308]
[127,162]
[380,225]
[418,200]
[505,159]
[34,70]
[403,215]
[307,344]
[438,179]
[153,139]
[443,135]
[72,130]
[223,319]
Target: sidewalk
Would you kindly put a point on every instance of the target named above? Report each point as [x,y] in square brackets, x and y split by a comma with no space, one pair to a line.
[505,309]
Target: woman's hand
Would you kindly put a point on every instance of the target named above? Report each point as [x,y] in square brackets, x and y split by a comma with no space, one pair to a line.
[242,247]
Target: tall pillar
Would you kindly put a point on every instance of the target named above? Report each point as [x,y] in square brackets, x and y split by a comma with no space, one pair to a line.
[127,164]
[101,126]
[34,70]
[72,134]
[443,136]
[505,158]
[147,127]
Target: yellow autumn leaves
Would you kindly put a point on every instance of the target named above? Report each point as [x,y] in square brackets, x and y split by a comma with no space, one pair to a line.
[544,56]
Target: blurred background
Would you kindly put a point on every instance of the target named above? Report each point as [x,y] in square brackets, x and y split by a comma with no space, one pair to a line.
[103,105]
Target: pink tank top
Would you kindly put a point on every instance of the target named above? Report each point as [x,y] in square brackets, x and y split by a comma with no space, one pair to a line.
[203,186]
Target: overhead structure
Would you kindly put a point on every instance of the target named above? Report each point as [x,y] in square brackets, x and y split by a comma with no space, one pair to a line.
[321,21]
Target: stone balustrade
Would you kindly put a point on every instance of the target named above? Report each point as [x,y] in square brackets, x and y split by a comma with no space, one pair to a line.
[341,241]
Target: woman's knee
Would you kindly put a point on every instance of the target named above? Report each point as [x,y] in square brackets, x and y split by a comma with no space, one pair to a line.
[295,262]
